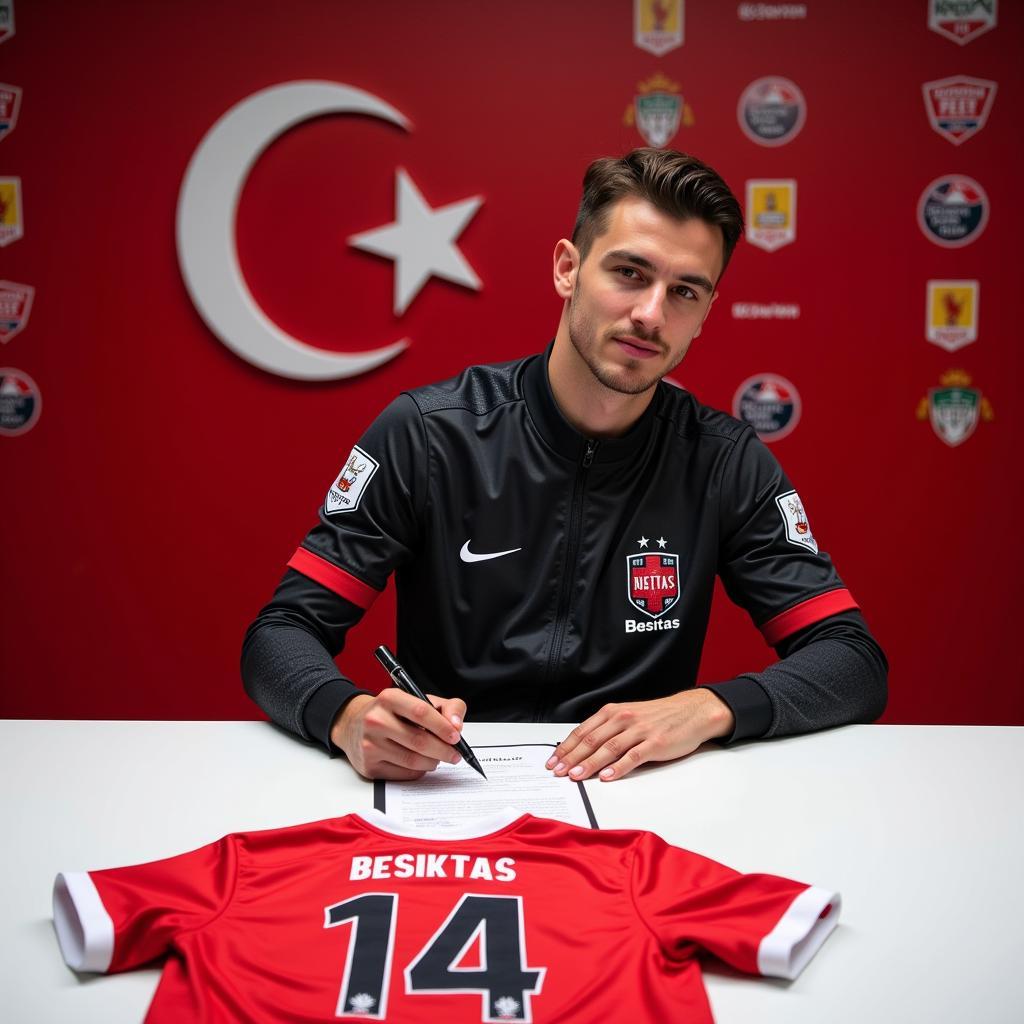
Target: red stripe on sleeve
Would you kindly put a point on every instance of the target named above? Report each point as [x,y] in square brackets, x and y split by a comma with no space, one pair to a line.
[806,613]
[342,583]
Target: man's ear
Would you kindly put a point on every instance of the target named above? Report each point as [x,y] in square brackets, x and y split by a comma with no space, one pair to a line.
[566,265]
[707,313]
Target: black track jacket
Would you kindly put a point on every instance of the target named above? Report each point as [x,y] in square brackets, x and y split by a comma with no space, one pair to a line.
[541,575]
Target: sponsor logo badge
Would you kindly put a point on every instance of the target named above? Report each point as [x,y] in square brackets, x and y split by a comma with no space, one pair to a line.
[658,25]
[11,224]
[766,311]
[794,518]
[771,213]
[958,107]
[652,581]
[10,104]
[953,211]
[769,403]
[771,12]
[657,111]
[346,491]
[772,111]
[15,306]
[6,20]
[961,20]
[954,408]
[951,313]
[20,402]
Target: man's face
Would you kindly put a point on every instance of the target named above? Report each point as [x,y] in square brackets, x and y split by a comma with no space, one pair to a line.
[641,294]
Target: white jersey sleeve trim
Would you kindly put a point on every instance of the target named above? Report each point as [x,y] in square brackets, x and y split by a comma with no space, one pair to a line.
[84,928]
[787,949]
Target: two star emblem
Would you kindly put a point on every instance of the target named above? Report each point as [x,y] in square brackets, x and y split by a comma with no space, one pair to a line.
[661,542]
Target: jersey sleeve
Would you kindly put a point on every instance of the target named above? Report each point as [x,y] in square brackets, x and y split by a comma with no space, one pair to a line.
[769,560]
[369,520]
[116,919]
[761,924]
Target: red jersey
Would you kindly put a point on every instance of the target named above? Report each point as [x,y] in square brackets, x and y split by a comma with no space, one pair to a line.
[355,918]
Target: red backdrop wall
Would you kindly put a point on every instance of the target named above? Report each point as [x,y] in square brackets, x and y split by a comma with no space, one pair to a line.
[149,511]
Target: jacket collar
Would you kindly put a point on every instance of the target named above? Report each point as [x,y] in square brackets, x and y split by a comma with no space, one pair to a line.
[565,438]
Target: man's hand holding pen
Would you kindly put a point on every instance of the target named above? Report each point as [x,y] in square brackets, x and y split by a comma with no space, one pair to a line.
[397,736]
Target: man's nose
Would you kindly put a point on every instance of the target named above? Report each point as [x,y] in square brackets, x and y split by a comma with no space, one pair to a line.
[649,310]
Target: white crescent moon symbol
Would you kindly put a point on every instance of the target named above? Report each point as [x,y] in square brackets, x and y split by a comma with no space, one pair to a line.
[208,203]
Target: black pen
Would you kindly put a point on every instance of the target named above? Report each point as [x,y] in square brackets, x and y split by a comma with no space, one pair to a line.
[404,682]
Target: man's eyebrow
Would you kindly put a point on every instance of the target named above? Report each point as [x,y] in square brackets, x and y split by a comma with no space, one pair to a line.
[641,261]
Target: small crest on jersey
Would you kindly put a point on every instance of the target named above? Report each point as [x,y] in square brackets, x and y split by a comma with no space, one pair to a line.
[769,403]
[961,20]
[6,20]
[953,211]
[772,111]
[346,491]
[652,581]
[11,224]
[771,213]
[955,408]
[958,107]
[20,402]
[657,110]
[794,518]
[15,306]
[951,313]
[658,25]
[10,104]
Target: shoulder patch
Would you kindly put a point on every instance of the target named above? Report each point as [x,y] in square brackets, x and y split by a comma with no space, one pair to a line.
[346,491]
[798,530]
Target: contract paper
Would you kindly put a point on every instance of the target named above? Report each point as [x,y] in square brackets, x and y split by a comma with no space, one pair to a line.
[516,777]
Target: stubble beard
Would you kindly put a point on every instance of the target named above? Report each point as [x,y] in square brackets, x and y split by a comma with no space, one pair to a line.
[626,380]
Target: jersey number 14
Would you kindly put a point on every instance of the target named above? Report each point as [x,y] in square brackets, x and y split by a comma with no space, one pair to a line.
[503,981]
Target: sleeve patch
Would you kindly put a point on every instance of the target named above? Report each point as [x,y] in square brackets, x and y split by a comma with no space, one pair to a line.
[345,492]
[794,518]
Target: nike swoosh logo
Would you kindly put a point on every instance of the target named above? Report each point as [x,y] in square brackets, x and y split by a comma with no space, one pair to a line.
[467,556]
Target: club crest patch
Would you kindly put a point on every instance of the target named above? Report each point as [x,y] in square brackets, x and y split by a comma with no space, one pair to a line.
[658,25]
[20,402]
[771,213]
[958,107]
[962,20]
[951,313]
[794,518]
[955,408]
[772,111]
[770,404]
[953,211]
[10,101]
[11,224]
[652,582]
[15,306]
[346,491]
[657,111]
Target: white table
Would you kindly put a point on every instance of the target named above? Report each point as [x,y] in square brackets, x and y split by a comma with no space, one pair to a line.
[920,828]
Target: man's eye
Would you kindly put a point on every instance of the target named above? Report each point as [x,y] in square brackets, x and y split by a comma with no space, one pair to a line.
[629,272]
[686,293]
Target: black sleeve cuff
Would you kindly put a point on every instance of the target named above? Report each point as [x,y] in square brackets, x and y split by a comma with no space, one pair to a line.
[749,705]
[322,708]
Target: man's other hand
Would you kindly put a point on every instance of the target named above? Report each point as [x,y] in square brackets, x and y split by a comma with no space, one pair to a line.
[621,737]
[396,736]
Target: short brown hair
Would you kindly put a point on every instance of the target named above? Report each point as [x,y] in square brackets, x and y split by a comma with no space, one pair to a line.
[675,183]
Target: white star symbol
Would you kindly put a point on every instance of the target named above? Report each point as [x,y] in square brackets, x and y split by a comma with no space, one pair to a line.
[421,241]
[642,542]
[662,542]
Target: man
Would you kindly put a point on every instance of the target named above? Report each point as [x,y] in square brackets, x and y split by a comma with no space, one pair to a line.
[556,525]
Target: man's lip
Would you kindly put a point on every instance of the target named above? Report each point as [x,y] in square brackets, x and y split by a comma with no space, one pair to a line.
[642,348]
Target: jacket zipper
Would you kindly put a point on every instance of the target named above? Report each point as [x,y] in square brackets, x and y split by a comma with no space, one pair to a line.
[568,575]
